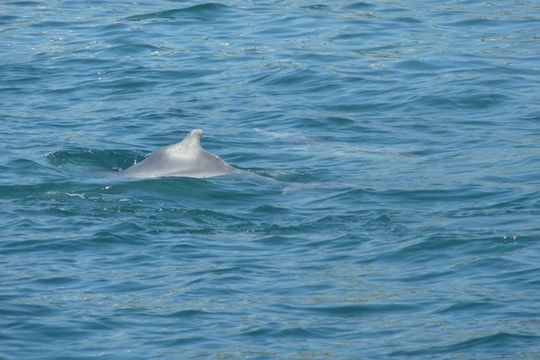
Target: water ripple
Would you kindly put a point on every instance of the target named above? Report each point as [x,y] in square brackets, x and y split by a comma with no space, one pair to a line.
[386,206]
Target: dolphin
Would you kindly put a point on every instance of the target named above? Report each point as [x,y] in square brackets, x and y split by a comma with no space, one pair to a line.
[186,158]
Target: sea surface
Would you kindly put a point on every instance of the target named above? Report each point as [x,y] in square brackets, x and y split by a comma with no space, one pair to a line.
[388,205]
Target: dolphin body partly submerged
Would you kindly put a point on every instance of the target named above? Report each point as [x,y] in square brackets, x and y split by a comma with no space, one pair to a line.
[186,158]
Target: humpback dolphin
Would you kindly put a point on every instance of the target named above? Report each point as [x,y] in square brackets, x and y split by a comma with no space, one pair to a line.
[186,158]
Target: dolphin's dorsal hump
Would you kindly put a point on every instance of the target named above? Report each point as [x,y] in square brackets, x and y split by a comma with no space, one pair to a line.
[184,159]
[192,141]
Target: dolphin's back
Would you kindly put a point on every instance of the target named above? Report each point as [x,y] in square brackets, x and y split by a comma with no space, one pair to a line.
[186,158]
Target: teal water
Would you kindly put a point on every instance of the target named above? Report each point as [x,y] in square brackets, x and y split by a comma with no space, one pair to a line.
[391,202]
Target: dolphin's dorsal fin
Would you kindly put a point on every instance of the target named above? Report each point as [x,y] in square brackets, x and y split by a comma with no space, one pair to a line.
[184,159]
[193,140]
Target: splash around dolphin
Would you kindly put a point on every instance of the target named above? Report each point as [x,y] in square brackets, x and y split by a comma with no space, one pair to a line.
[184,159]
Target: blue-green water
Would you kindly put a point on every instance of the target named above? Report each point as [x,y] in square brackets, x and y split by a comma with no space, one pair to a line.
[394,210]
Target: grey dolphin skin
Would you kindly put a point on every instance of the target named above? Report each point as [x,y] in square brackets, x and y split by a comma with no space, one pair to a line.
[186,158]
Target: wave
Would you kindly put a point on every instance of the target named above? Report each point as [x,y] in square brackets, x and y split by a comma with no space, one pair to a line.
[201,12]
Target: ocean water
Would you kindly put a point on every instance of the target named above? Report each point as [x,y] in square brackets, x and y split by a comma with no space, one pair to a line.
[390,201]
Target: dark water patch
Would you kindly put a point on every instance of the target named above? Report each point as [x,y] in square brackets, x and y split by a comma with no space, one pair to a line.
[25,309]
[354,310]
[79,161]
[275,240]
[315,7]
[496,344]
[387,204]
[30,167]
[22,190]
[270,209]
[481,268]
[332,244]
[285,175]
[202,12]
[470,306]
[407,20]
[293,78]
[473,23]
[339,121]
[127,287]
[434,245]
[56,280]
[190,314]
[351,36]
[465,102]
[496,208]
[193,73]
[296,332]
[359,6]
[127,86]
[24,3]
[522,274]
[132,49]
[185,341]
[428,197]
[209,216]
[7,19]
[73,243]
[419,65]
[52,24]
